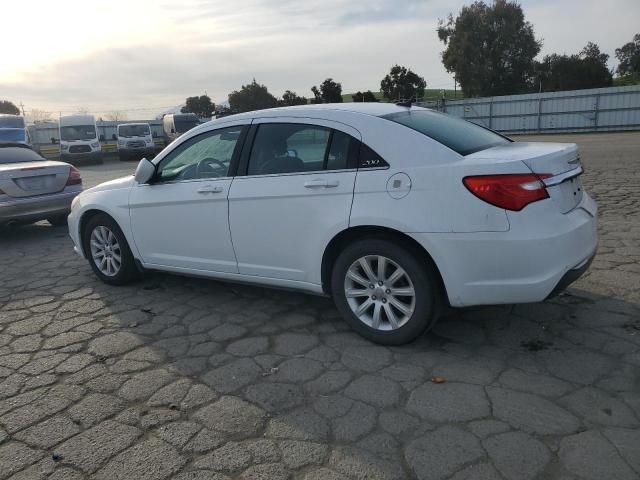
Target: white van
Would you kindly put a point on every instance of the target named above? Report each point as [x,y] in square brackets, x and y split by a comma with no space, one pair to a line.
[13,129]
[175,124]
[79,139]
[135,141]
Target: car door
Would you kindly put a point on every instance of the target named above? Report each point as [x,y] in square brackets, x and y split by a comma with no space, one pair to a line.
[181,218]
[293,193]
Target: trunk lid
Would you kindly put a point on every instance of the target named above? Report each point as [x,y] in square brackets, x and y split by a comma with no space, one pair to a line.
[560,161]
[28,179]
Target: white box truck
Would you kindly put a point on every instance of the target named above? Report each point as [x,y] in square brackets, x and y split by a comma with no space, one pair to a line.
[79,140]
[135,141]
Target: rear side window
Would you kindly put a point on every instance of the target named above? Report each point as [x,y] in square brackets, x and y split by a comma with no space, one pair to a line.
[370,159]
[459,135]
[18,155]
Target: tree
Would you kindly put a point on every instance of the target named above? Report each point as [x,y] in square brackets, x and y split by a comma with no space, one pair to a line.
[290,98]
[251,97]
[202,106]
[629,57]
[588,69]
[329,92]
[490,49]
[8,107]
[37,115]
[116,115]
[402,84]
[367,96]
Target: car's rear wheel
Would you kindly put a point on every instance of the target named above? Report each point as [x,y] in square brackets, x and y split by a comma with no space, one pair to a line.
[386,292]
[108,251]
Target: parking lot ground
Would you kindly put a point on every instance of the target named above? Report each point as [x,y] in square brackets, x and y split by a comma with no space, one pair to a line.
[193,379]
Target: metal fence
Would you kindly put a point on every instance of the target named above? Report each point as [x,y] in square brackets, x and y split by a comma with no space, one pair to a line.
[597,109]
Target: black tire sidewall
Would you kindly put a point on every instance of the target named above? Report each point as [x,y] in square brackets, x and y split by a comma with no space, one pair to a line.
[421,275]
[128,270]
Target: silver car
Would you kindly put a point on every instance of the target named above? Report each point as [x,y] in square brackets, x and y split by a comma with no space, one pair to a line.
[33,188]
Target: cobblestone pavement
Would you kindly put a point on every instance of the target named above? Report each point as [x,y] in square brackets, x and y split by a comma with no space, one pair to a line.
[193,379]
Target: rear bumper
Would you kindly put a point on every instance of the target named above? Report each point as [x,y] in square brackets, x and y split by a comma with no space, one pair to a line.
[525,264]
[37,208]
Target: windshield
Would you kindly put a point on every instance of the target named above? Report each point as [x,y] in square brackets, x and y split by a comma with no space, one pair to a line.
[12,134]
[457,134]
[11,121]
[184,124]
[78,132]
[133,130]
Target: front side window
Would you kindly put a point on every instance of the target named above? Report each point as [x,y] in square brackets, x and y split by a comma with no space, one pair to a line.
[294,148]
[459,135]
[204,156]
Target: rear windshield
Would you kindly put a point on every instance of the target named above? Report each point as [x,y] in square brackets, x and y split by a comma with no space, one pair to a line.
[457,134]
[12,134]
[17,155]
[184,124]
[133,130]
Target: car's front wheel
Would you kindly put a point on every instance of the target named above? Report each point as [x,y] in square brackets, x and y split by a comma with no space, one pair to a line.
[386,292]
[108,251]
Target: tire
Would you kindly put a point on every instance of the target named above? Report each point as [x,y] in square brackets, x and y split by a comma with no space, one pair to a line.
[58,220]
[419,277]
[127,271]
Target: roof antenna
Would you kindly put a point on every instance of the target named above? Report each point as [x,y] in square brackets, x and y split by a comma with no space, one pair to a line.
[404,104]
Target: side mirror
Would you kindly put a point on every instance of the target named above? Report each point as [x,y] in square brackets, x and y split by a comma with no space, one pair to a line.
[113,136]
[145,171]
[101,138]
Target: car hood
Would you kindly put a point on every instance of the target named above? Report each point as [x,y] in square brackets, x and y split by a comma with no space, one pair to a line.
[118,183]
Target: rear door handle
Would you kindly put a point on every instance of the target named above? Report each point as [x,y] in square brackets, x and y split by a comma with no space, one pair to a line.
[210,189]
[321,183]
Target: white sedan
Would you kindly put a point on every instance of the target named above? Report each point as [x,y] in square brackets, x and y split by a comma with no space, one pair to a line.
[394,211]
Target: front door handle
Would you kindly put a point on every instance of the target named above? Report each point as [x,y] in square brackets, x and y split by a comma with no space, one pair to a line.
[321,183]
[210,189]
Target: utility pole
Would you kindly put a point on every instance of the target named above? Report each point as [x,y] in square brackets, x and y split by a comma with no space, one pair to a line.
[22,108]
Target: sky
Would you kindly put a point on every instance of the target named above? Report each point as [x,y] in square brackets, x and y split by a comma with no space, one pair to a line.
[142,57]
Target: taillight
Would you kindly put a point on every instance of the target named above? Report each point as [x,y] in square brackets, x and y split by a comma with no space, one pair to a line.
[508,191]
[74,176]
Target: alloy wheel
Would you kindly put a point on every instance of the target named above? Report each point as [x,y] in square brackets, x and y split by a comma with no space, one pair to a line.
[105,251]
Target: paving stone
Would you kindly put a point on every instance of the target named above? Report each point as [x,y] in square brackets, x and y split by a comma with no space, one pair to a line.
[374,390]
[294,343]
[531,413]
[233,376]
[295,370]
[360,420]
[263,450]
[30,414]
[248,347]
[361,465]
[197,395]
[300,424]
[380,443]
[595,406]
[205,440]
[323,474]
[396,422]
[172,393]
[95,407]
[267,471]
[64,339]
[589,455]
[15,456]
[65,473]
[481,371]
[449,402]
[232,415]
[151,460]
[332,406]
[627,442]
[230,458]
[142,385]
[517,455]
[178,433]
[438,454]
[366,358]
[479,471]
[327,382]
[201,475]
[89,449]
[158,416]
[114,344]
[578,366]
[484,428]
[227,332]
[48,433]
[275,397]
[543,385]
[296,454]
